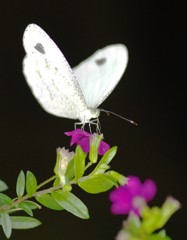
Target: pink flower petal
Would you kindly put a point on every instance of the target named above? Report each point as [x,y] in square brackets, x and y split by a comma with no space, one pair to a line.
[149,189]
[121,200]
[76,135]
[133,185]
[103,148]
[85,144]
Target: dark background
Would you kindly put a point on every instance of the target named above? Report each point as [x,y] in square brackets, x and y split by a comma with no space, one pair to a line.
[151,92]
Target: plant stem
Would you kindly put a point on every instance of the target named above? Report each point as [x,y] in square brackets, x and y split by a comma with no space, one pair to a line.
[46,181]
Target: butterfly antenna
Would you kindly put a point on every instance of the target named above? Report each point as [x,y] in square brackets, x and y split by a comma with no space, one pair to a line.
[117,115]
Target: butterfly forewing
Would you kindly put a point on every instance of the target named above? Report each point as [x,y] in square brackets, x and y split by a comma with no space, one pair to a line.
[49,75]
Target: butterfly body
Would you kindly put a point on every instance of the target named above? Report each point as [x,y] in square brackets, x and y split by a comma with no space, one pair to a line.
[63,92]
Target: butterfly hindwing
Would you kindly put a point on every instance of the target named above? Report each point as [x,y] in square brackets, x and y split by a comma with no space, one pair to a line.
[99,74]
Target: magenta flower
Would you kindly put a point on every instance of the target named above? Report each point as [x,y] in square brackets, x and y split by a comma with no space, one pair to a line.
[82,138]
[132,196]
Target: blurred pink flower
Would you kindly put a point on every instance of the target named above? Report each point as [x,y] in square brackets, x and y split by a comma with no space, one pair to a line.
[82,138]
[132,196]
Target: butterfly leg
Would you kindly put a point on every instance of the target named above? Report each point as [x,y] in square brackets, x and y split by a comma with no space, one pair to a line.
[97,124]
[94,122]
[79,123]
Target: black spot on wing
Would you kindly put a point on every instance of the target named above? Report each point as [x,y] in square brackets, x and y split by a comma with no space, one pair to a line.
[100,61]
[40,48]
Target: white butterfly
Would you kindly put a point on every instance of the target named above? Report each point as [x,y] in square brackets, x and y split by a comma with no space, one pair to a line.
[64,92]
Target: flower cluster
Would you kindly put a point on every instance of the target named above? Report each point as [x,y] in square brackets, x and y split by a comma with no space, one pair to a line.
[142,221]
[133,196]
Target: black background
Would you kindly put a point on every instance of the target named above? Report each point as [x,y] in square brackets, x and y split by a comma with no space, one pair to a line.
[151,92]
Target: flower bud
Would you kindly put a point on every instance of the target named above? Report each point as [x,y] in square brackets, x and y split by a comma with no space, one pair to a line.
[62,160]
[95,140]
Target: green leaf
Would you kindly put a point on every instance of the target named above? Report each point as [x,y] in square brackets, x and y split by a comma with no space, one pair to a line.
[31,183]
[97,184]
[122,180]
[70,171]
[158,236]
[57,182]
[19,222]
[71,203]
[3,186]
[49,202]
[109,155]
[5,199]
[6,224]
[32,205]
[79,163]
[20,185]
[24,206]
[162,234]
[102,166]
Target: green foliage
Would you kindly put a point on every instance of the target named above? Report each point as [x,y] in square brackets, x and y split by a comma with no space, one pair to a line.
[4,199]
[71,203]
[70,171]
[20,222]
[48,201]
[20,185]
[32,205]
[3,186]
[101,180]
[17,222]
[6,224]
[24,206]
[102,166]
[31,183]
[79,163]
[96,184]
[158,236]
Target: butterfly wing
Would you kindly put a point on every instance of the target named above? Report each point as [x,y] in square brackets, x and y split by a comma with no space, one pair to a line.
[99,74]
[49,75]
